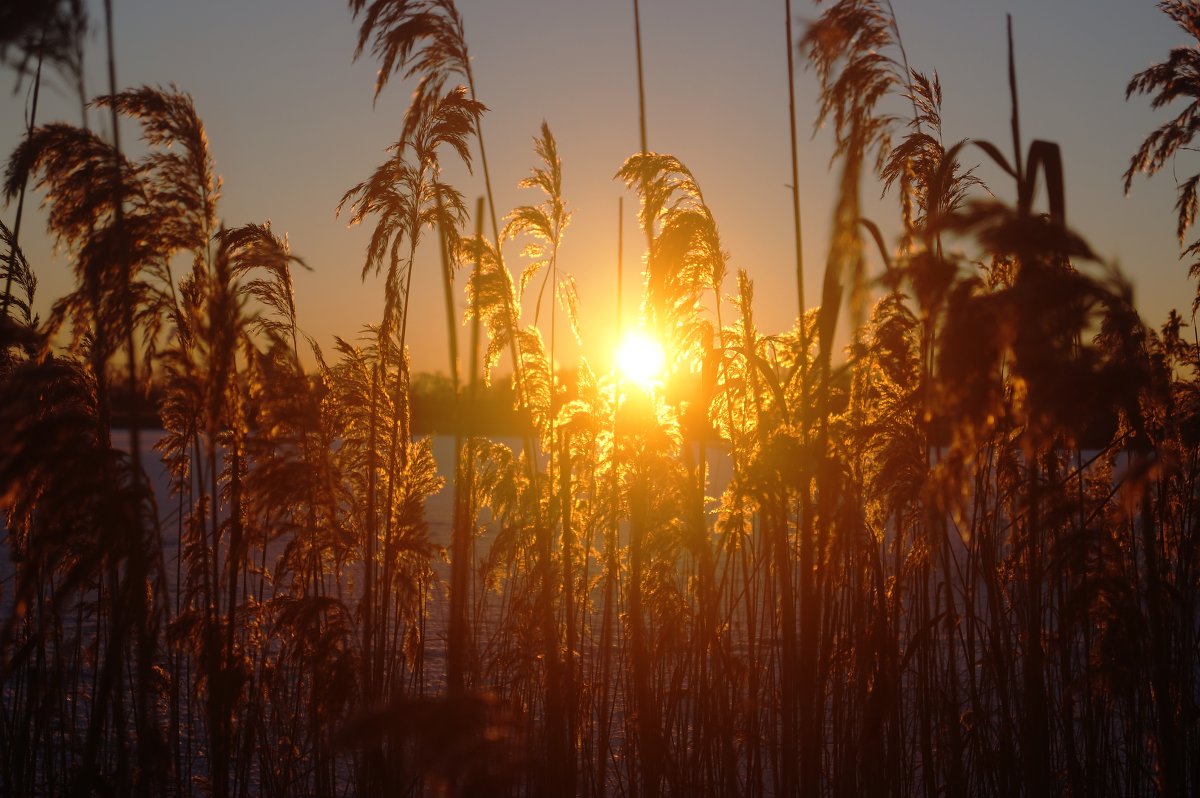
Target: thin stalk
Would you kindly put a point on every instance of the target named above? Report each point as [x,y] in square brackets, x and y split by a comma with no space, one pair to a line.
[796,189]
[568,576]
[603,749]
[649,730]
[459,633]
[518,370]
[637,33]
[473,404]
[16,228]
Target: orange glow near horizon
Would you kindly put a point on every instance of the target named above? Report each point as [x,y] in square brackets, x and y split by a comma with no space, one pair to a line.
[640,359]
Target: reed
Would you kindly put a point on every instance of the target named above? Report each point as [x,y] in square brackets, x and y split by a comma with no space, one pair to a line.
[935,568]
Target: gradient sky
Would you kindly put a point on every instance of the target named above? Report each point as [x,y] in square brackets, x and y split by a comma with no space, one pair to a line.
[292,126]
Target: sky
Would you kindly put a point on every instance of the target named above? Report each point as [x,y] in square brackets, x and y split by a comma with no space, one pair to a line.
[293,123]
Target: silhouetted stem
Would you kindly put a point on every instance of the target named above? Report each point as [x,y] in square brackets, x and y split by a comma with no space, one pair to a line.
[16,228]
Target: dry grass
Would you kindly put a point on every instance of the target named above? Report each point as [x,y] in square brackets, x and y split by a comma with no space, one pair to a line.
[958,558]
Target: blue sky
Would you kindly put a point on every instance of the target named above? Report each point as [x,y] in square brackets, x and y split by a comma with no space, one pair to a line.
[292,125]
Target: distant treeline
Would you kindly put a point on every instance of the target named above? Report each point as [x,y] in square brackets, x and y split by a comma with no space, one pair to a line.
[491,410]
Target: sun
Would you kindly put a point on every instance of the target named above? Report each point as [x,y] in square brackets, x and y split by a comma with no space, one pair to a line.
[640,359]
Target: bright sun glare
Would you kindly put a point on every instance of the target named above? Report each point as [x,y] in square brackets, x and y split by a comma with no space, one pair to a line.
[640,358]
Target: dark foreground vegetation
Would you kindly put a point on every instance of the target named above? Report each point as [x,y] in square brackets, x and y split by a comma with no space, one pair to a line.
[925,577]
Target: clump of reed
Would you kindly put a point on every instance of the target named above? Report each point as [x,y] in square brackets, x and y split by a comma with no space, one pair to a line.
[956,555]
